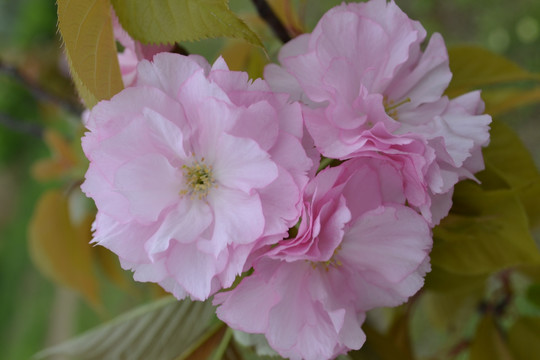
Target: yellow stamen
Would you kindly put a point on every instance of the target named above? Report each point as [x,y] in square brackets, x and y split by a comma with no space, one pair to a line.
[332,262]
[391,107]
[199,179]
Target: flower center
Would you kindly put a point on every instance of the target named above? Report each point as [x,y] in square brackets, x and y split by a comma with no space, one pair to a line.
[199,179]
[326,265]
[390,106]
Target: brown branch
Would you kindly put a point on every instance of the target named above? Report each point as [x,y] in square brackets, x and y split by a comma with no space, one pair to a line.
[38,92]
[22,127]
[270,17]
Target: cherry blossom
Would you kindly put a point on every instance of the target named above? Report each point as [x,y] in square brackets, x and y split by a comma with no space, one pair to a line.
[357,247]
[191,169]
[362,70]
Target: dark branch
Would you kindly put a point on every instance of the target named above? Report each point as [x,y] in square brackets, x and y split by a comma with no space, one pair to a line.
[22,127]
[269,16]
[39,93]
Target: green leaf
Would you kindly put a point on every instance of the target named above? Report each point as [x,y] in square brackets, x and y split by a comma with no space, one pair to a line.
[86,28]
[500,101]
[485,232]
[439,321]
[240,56]
[488,343]
[530,271]
[394,344]
[165,329]
[108,262]
[507,158]
[377,344]
[523,338]
[224,344]
[474,67]
[399,334]
[203,351]
[441,280]
[451,310]
[60,249]
[252,346]
[533,294]
[169,21]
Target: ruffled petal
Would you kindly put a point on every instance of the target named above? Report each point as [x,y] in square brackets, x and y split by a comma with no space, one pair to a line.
[231,209]
[136,180]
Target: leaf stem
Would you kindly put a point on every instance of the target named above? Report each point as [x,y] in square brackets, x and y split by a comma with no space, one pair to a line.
[270,17]
[207,335]
[222,348]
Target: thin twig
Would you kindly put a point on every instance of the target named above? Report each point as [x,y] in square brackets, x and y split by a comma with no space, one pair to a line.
[38,92]
[22,127]
[270,17]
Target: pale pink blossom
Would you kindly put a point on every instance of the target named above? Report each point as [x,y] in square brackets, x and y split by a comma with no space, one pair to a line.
[191,169]
[358,247]
[133,52]
[362,69]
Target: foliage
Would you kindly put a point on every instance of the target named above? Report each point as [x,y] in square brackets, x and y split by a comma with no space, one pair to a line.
[87,31]
[167,21]
[481,297]
[178,327]
[51,229]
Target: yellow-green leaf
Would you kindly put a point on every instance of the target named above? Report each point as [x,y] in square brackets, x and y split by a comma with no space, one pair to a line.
[450,310]
[533,294]
[87,31]
[488,343]
[378,344]
[474,67]
[501,101]
[441,280]
[60,249]
[240,56]
[523,338]
[62,160]
[485,232]
[507,158]
[288,16]
[169,21]
[400,335]
[531,271]
[109,264]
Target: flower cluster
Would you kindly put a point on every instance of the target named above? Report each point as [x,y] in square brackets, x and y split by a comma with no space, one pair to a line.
[314,191]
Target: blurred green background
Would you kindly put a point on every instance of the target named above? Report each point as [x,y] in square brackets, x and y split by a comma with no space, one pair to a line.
[35,313]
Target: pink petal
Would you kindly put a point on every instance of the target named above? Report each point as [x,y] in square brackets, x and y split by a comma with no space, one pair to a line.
[184,223]
[242,164]
[193,269]
[167,72]
[389,243]
[231,209]
[150,184]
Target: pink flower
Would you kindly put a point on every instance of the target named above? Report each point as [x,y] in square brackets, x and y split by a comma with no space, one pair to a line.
[191,169]
[358,247]
[133,52]
[362,69]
